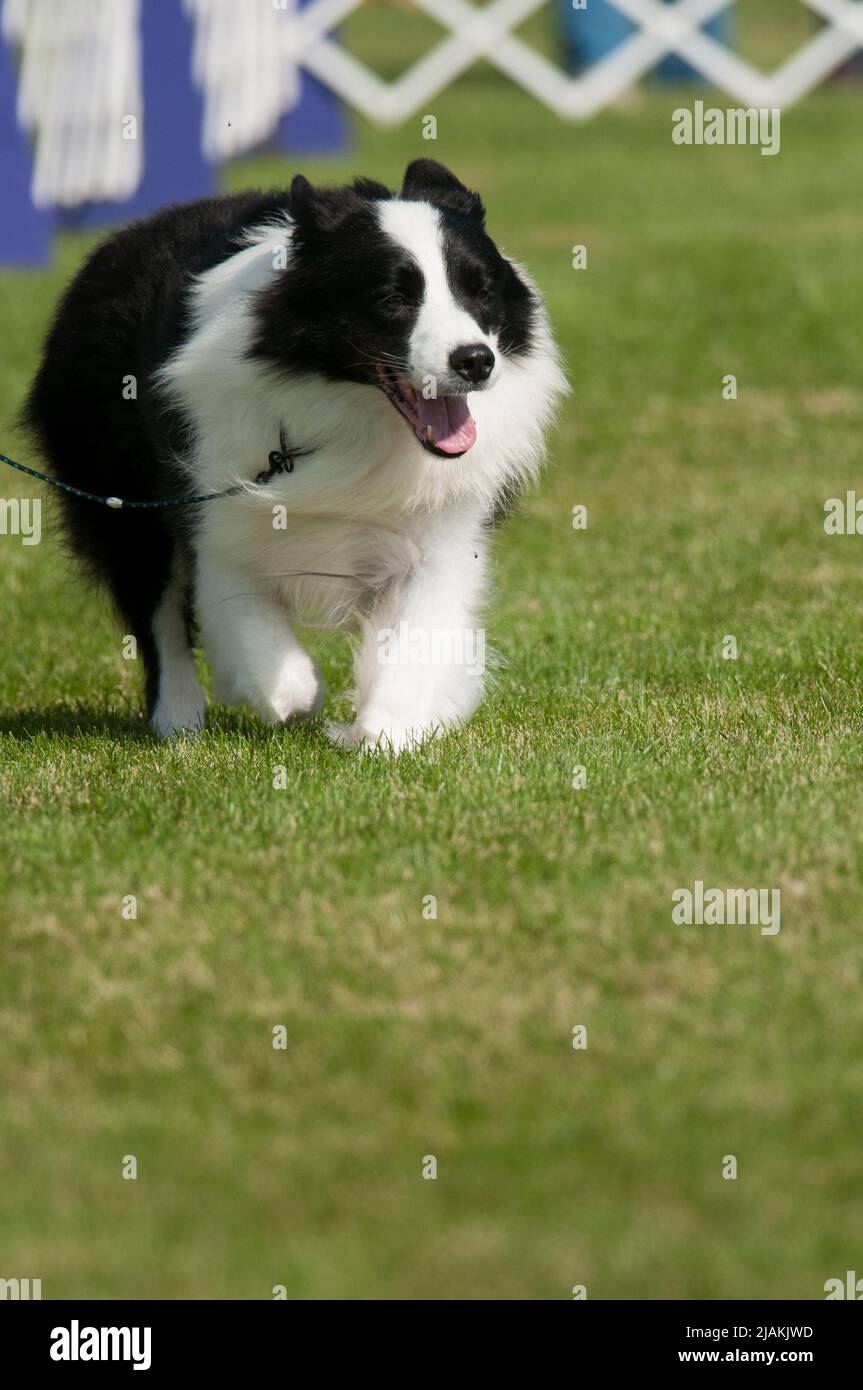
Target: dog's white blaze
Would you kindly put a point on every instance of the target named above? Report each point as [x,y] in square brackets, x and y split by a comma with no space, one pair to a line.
[442,323]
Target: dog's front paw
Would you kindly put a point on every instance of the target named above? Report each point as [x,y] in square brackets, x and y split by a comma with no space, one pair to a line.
[297,694]
[371,738]
[342,735]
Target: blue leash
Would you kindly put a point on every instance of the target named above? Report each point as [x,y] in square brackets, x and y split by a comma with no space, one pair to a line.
[281,460]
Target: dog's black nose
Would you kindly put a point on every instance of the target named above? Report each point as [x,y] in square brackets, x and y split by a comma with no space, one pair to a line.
[474,363]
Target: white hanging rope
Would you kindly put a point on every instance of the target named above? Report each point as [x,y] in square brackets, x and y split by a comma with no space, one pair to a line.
[247,79]
[13,20]
[80,80]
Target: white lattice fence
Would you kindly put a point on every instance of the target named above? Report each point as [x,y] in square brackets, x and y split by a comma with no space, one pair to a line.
[81,60]
[488,33]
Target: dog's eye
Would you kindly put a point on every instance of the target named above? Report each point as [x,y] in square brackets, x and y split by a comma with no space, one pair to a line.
[395,301]
[484,294]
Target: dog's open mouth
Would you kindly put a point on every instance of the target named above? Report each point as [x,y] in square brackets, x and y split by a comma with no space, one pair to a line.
[444,425]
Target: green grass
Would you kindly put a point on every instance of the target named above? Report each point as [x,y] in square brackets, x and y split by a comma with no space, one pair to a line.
[304,907]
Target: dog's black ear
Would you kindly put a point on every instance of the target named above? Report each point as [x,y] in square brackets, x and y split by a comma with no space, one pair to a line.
[302,198]
[321,209]
[371,189]
[427,181]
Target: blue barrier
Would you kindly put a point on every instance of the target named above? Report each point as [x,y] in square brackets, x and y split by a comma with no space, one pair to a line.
[317,124]
[25,231]
[590,34]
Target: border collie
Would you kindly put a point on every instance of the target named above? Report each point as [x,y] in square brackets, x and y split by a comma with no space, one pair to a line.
[406,366]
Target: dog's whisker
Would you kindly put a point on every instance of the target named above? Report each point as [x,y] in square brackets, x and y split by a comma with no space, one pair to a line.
[318,574]
[383,357]
[296,574]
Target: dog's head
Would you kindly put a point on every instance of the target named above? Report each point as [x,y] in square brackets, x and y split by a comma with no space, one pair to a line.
[405,293]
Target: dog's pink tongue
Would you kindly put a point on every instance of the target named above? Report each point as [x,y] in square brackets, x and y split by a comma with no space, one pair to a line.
[446,423]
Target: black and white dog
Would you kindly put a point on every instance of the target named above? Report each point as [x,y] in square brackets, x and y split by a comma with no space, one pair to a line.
[390,346]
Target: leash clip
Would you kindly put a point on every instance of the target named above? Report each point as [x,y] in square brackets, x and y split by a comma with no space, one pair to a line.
[281,460]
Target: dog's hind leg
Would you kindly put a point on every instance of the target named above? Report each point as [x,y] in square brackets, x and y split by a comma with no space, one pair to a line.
[177,701]
[136,556]
[146,576]
[158,620]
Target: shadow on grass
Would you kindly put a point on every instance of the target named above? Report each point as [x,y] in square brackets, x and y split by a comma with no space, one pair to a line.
[82,721]
[78,722]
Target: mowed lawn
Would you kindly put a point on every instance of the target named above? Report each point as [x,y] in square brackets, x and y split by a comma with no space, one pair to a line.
[410,1036]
